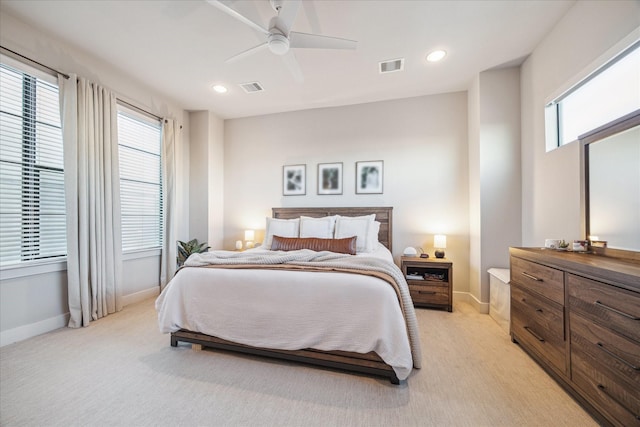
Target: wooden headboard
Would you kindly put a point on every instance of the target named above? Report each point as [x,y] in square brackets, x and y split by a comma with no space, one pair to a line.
[383,214]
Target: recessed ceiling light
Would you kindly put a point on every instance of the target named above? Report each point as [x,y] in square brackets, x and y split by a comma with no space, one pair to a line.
[219,88]
[436,55]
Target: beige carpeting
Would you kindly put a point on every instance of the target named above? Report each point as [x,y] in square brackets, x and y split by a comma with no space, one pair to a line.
[121,371]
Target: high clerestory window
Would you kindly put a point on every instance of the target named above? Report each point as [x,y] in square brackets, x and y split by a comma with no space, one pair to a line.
[32,207]
[609,93]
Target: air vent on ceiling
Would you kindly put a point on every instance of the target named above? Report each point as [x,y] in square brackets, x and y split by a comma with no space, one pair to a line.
[251,87]
[391,66]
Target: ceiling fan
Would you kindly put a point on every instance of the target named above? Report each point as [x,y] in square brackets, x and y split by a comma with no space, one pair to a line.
[279,37]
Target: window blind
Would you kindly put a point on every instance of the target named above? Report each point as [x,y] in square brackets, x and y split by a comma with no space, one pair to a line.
[32,207]
[139,143]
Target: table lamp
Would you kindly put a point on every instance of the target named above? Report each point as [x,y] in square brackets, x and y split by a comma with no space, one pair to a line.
[439,243]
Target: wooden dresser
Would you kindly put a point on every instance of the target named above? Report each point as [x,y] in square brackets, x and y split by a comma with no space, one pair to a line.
[578,316]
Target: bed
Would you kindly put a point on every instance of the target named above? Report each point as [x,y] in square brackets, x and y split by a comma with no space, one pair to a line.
[313,308]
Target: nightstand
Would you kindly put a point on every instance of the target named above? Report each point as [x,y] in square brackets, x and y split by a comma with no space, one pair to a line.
[430,281]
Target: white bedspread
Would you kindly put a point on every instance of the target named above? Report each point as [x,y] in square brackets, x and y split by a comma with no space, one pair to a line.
[291,310]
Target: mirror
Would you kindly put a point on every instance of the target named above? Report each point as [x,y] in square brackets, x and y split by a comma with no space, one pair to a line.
[611,183]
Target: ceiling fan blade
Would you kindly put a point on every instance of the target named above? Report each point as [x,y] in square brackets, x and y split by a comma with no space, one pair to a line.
[246,52]
[294,67]
[219,4]
[287,14]
[316,41]
[312,16]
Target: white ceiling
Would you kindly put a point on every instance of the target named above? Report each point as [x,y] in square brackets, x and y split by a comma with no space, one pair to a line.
[178,48]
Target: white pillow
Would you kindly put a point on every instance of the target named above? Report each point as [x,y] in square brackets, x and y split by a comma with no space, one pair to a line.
[280,227]
[359,226]
[373,235]
[317,227]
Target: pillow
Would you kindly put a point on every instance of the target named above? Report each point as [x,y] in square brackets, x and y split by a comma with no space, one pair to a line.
[373,235]
[317,227]
[280,227]
[359,226]
[341,246]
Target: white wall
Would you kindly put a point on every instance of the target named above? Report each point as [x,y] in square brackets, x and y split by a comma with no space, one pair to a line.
[37,303]
[551,181]
[494,175]
[206,175]
[422,141]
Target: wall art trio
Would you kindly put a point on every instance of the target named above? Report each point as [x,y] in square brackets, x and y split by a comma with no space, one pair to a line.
[369,178]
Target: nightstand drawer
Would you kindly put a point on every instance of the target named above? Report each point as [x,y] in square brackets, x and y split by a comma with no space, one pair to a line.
[429,294]
[538,278]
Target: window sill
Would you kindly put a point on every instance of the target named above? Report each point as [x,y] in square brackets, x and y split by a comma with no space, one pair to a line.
[60,264]
[33,269]
[143,253]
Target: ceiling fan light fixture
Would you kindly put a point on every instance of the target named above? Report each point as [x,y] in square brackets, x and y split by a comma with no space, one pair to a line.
[436,55]
[278,44]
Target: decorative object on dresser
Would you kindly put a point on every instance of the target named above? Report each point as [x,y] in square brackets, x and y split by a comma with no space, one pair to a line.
[578,316]
[430,281]
[294,180]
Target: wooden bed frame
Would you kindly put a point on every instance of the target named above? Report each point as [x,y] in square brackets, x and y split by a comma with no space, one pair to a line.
[370,363]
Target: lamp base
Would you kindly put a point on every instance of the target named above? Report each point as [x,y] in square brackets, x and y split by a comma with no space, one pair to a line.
[439,253]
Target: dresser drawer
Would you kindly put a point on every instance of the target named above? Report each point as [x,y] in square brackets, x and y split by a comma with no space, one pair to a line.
[538,278]
[595,344]
[538,323]
[617,308]
[429,294]
[605,392]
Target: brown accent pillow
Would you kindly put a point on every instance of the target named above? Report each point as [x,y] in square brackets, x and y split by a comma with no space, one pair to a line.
[341,246]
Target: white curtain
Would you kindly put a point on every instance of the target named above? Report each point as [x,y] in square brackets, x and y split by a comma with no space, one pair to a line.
[92,196]
[170,138]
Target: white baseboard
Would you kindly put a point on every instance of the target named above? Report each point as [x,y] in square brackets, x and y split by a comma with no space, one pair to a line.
[481,307]
[22,333]
[140,296]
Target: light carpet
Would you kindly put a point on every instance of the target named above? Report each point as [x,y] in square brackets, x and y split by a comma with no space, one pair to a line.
[121,371]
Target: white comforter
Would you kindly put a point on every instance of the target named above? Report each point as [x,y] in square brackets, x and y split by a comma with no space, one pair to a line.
[291,310]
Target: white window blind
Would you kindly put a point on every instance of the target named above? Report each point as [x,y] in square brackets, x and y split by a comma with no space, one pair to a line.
[606,95]
[139,143]
[32,208]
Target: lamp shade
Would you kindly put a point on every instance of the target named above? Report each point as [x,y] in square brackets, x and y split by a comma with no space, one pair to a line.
[249,235]
[440,241]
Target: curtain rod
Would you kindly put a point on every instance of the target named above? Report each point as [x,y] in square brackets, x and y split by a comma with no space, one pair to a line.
[140,110]
[66,76]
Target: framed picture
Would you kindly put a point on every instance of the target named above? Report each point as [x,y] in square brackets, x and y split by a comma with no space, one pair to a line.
[294,180]
[330,178]
[369,177]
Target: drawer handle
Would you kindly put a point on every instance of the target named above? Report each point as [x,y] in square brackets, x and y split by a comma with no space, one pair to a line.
[538,310]
[534,334]
[537,279]
[621,313]
[618,358]
[427,292]
[610,396]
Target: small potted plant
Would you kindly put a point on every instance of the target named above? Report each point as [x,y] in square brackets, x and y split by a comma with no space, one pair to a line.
[188,248]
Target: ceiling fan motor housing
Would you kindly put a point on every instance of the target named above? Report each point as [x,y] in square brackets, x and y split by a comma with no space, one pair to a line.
[278,43]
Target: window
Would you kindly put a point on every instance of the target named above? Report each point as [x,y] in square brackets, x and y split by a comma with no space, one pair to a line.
[139,143]
[32,207]
[611,92]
